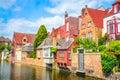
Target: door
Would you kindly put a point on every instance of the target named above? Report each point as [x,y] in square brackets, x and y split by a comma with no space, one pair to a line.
[81,59]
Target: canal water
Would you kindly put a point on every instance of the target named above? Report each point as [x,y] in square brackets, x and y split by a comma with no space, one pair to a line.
[9,71]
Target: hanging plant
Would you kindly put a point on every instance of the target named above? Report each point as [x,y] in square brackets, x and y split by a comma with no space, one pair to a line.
[53,50]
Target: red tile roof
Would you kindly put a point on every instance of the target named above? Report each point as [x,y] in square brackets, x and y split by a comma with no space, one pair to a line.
[55,31]
[18,37]
[2,39]
[110,13]
[97,16]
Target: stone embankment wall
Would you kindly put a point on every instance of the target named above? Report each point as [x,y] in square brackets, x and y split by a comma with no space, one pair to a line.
[92,64]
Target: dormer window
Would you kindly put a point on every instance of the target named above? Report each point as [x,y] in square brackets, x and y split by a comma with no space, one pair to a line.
[24,40]
[115,9]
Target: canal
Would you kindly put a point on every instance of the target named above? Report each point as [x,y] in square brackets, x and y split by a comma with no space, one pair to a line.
[17,71]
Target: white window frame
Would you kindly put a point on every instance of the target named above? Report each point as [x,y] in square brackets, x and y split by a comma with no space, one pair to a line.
[46,53]
[83,36]
[115,9]
[67,26]
[89,24]
[118,27]
[90,35]
[39,54]
[67,38]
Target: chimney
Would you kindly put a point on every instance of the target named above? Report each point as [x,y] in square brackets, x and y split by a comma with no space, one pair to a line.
[66,14]
[85,6]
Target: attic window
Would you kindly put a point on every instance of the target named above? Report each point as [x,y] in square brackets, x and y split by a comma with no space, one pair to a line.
[115,9]
[89,24]
[83,26]
[85,14]
[24,40]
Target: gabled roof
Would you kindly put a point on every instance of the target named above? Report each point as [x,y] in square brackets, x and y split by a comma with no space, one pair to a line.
[109,13]
[18,37]
[46,43]
[2,39]
[67,44]
[117,1]
[27,47]
[55,31]
[60,42]
[97,16]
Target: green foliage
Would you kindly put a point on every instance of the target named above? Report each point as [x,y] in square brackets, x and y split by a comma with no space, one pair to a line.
[114,46]
[86,43]
[108,62]
[102,41]
[102,48]
[2,47]
[40,36]
[53,50]
[75,49]
[32,55]
[9,47]
[78,41]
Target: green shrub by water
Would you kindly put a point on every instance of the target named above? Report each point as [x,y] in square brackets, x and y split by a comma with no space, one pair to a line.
[32,55]
[108,62]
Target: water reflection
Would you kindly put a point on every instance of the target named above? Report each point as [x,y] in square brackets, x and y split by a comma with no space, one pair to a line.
[27,72]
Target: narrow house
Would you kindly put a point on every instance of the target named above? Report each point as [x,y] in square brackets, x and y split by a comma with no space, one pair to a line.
[19,40]
[63,56]
[92,23]
[43,52]
[27,49]
[112,22]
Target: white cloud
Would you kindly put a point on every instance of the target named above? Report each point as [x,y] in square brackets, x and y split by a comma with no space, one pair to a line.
[73,6]
[5,4]
[23,25]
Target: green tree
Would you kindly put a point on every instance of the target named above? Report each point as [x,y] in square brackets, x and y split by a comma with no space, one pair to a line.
[2,47]
[9,47]
[102,41]
[114,46]
[40,36]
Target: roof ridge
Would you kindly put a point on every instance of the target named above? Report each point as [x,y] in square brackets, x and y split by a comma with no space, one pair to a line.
[25,33]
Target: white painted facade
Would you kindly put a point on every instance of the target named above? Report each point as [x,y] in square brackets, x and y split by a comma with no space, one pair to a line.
[104,30]
[18,54]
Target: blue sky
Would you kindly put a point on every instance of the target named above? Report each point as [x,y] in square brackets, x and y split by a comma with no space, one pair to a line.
[27,15]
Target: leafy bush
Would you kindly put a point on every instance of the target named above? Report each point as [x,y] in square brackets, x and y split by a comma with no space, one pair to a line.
[114,47]
[102,48]
[108,62]
[86,43]
[102,40]
[32,55]
[53,49]
[2,47]
[75,49]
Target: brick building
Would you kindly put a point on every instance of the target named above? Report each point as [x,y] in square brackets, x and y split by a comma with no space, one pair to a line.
[91,23]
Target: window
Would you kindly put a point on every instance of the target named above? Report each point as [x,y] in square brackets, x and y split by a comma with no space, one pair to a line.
[115,9]
[108,29]
[119,27]
[83,36]
[46,52]
[61,54]
[38,53]
[67,26]
[112,28]
[89,24]
[67,38]
[83,26]
[90,35]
